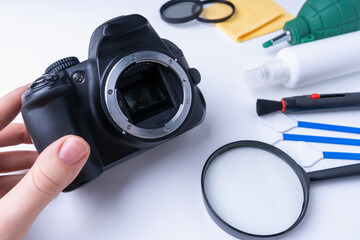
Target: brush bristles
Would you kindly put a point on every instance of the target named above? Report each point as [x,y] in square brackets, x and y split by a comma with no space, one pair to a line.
[267,106]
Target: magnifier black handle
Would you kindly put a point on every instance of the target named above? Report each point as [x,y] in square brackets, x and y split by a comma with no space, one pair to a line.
[332,173]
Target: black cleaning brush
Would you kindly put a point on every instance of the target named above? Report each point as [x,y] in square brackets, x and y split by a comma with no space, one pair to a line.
[267,106]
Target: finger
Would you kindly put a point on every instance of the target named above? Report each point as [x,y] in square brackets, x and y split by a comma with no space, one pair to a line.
[17,160]
[10,105]
[55,168]
[8,182]
[14,134]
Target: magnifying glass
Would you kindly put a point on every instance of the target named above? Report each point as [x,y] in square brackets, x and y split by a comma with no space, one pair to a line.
[253,190]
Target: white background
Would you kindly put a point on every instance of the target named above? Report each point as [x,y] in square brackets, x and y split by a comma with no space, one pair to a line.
[157,195]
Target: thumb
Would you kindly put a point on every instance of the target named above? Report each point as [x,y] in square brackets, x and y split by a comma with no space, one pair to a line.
[56,167]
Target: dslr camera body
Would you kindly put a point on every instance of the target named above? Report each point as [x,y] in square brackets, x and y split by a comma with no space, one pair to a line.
[133,93]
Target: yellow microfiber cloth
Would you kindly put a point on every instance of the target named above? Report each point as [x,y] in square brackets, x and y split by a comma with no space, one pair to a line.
[252,18]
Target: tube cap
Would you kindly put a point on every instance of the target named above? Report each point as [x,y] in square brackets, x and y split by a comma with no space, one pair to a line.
[271,72]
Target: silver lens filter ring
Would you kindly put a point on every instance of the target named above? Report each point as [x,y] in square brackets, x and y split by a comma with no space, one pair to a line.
[111,98]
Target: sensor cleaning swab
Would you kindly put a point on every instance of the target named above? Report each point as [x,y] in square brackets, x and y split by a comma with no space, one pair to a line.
[328,127]
[306,151]
[283,123]
[321,139]
[274,137]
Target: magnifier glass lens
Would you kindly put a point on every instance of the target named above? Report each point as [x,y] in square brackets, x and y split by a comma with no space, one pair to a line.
[254,191]
[181,10]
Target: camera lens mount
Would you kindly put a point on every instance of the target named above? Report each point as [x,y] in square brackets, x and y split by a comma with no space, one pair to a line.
[114,107]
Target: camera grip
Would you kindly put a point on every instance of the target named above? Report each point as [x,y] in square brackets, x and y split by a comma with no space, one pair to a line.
[51,113]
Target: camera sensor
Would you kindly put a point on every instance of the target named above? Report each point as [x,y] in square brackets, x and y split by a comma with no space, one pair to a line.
[149,94]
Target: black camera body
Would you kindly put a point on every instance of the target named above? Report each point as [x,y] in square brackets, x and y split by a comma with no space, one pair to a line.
[134,92]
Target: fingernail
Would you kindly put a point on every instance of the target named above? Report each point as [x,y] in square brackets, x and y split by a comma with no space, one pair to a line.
[72,151]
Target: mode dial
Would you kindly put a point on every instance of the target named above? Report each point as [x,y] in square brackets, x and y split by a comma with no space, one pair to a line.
[62,64]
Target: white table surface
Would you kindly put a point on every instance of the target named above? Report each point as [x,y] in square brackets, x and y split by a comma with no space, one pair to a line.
[157,194]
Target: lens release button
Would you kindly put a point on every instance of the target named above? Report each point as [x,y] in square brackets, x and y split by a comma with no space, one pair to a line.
[195,75]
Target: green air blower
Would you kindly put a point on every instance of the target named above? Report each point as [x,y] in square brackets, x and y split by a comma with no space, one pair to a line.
[319,19]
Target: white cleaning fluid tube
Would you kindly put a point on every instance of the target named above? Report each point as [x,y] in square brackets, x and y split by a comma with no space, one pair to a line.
[310,62]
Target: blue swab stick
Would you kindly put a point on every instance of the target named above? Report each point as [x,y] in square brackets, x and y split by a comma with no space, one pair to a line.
[341,155]
[328,127]
[320,139]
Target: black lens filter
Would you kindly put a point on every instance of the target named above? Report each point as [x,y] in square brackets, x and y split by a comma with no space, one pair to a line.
[180,11]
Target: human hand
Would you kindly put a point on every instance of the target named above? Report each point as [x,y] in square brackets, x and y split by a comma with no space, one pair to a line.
[23,197]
